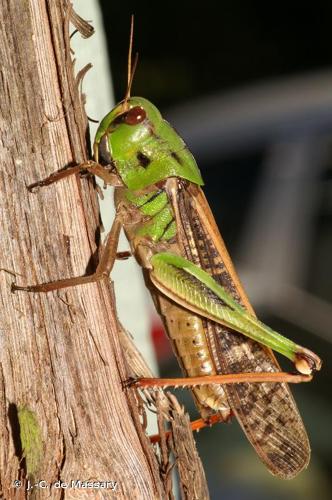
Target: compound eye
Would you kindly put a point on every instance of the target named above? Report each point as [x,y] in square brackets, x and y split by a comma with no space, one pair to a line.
[135,115]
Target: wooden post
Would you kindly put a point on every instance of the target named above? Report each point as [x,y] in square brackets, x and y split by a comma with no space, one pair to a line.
[60,355]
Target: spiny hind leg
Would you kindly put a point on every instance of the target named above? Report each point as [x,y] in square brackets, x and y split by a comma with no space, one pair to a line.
[230,378]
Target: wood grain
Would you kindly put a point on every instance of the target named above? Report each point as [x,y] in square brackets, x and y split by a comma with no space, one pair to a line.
[60,352]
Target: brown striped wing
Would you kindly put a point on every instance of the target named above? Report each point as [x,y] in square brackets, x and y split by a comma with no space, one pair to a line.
[266,412]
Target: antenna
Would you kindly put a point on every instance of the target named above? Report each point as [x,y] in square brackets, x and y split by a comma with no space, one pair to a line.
[131,67]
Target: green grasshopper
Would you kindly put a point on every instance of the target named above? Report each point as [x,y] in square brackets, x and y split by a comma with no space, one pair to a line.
[223,349]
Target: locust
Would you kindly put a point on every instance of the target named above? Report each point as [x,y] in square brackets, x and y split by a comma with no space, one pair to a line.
[225,352]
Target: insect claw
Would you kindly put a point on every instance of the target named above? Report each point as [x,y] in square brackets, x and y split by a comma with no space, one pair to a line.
[14,288]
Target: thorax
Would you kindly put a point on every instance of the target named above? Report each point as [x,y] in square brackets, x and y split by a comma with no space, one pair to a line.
[148,221]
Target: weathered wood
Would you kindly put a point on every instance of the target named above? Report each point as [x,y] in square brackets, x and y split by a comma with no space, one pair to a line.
[60,354]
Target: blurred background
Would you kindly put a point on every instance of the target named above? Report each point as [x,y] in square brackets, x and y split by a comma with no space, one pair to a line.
[249,88]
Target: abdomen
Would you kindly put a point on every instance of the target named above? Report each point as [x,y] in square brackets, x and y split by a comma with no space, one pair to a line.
[186,332]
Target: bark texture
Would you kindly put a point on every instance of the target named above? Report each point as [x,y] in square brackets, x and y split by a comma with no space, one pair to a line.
[63,412]
[60,354]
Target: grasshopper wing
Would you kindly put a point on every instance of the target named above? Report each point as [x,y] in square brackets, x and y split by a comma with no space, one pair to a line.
[267,411]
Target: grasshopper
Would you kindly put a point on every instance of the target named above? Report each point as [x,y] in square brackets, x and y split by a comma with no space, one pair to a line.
[224,350]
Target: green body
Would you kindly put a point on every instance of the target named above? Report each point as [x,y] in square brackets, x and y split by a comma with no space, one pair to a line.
[143,155]
[146,154]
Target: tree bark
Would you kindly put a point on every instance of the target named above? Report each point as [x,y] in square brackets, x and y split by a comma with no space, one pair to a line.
[64,415]
[60,357]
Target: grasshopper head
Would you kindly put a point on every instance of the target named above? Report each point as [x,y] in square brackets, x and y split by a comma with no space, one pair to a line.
[122,132]
[142,147]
